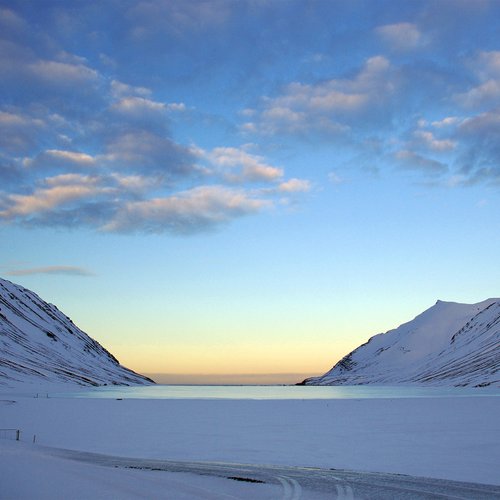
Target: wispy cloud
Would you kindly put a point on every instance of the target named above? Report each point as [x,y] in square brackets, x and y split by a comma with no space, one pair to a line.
[401,36]
[409,160]
[330,106]
[446,122]
[58,192]
[486,91]
[10,21]
[202,208]
[428,140]
[335,178]
[151,18]
[236,165]
[57,159]
[119,89]
[480,160]
[19,131]
[61,270]
[139,107]
[144,151]
[295,186]
[61,74]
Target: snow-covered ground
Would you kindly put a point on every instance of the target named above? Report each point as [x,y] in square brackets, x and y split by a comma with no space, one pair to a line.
[29,473]
[449,438]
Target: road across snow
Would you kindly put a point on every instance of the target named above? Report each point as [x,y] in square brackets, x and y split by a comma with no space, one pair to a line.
[204,479]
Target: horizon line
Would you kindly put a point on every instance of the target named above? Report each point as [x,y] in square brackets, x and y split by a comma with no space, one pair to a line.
[228,378]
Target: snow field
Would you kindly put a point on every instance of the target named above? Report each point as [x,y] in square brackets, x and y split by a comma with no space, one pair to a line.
[448,438]
[28,474]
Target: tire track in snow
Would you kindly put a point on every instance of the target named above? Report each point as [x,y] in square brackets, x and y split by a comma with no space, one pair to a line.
[344,492]
[291,488]
[322,483]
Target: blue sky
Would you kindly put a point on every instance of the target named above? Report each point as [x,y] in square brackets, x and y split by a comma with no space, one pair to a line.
[249,187]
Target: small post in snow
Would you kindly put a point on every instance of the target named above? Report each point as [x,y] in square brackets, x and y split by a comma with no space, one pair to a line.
[18,433]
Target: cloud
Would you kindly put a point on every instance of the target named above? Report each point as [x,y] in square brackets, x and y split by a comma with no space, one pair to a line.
[199,209]
[134,183]
[486,175]
[485,124]
[131,99]
[148,152]
[401,36]
[427,140]
[486,69]
[106,125]
[71,156]
[46,199]
[485,94]
[103,141]
[11,174]
[132,113]
[120,170]
[330,106]
[150,18]
[68,200]
[410,160]
[176,106]
[120,89]
[238,166]
[11,21]
[40,75]
[62,74]
[60,270]
[295,186]
[446,122]
[57,159]
[9,119]
[480,136]
[125,204]
[334,178]
[138,106]
[19,131]
[487,64]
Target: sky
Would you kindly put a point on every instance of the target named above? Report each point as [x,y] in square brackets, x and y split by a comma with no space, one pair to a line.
[246,191]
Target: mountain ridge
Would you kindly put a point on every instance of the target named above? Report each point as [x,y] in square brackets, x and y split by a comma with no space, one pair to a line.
[39,343]
[448,344]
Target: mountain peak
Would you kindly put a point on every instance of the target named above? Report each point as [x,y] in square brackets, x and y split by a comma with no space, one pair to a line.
[483,302]
[40,343]
[448,344]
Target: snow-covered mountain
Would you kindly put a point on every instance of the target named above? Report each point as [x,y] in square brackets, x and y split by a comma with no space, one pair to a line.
[448,344]
[38,343]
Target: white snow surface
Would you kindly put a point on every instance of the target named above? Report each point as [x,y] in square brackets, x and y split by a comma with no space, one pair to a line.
[448,344]
[454,438]
[53,478]
[40,345]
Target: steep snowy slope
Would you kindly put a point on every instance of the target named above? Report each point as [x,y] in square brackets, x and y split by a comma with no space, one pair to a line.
[39,343]
[449,344]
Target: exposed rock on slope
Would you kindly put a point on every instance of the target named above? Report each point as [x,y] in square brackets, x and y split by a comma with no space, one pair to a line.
[38,343]
[449,344]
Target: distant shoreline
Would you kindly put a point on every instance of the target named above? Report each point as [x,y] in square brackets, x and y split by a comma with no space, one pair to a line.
[229,379]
